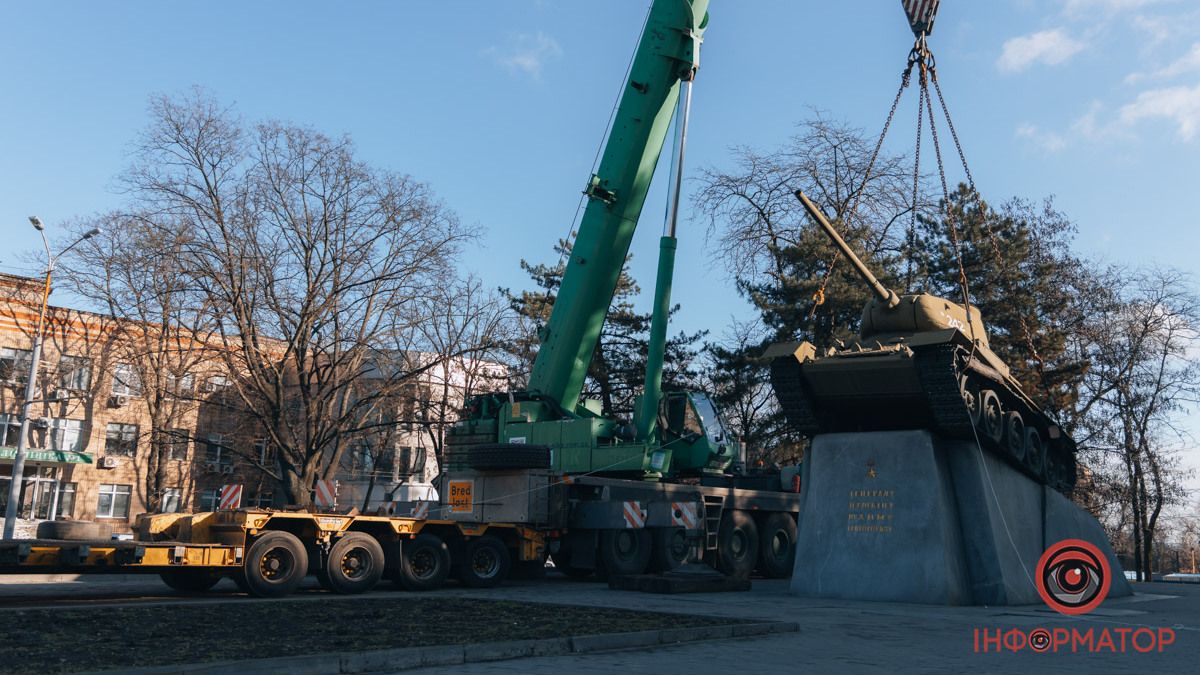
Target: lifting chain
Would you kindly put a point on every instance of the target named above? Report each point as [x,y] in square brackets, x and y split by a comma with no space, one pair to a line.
[818,297]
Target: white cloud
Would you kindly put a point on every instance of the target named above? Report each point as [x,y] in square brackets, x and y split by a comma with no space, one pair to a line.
[1091,7]
[1180,105]
[1188,63]
[526,53]
[1048,141]
[1049,46]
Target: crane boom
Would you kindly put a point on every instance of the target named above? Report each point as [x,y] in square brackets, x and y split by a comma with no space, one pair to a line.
[667,54]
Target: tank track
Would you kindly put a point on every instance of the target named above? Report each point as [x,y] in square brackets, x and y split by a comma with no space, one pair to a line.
[792,393]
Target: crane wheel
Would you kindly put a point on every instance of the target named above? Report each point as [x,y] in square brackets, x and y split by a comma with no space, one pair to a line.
[355,564]
[991,419]
[669,548]
[190,581]
[737,545]
[624,552]
[486,562]
[424,563]
[777,546]
[275,564]
[1014,435]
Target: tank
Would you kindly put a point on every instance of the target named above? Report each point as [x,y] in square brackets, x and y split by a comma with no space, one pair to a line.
[921,362]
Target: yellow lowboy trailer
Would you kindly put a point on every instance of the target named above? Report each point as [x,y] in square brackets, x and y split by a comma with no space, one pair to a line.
[268,553]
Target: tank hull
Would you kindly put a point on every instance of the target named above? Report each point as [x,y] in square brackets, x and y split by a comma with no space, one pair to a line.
[935,382]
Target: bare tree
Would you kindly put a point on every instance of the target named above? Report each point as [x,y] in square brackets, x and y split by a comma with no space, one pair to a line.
[1140,344]
[156,335]
[312,265]
[465,338]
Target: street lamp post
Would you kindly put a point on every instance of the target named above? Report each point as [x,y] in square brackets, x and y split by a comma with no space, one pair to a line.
[18,470]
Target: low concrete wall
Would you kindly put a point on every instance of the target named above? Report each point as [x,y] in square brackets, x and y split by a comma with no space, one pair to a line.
[903,516]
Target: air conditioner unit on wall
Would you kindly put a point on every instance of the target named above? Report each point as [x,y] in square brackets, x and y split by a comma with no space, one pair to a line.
[41,423]
[228,468]
[117,401]
[109,462]
[211,466]
[60,395]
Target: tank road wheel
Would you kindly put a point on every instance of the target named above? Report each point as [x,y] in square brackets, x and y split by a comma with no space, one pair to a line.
[669,548]
[991,421]
[485,563]
[777,546]
[970,395]
[424,563]
[355,564]
[1035,451]
[1014,435]
[737,544]
[190,581]
[624,552]
[275,565]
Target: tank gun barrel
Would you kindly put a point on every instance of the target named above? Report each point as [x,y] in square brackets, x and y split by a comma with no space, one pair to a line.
[883,292]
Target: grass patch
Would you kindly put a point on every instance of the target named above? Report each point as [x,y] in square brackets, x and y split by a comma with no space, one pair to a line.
[102,638]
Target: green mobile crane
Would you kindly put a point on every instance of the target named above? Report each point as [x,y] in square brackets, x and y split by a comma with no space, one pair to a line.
[677,433]
[621,496]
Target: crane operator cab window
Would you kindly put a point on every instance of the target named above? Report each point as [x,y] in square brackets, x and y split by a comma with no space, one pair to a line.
[690,416]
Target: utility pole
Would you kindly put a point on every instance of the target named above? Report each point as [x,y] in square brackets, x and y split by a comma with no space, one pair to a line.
[18,470]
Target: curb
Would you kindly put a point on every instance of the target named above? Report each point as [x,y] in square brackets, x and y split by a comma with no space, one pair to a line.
[390,660]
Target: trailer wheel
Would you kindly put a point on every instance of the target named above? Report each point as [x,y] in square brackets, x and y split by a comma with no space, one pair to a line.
[485,562]
[737,544]
[508,456]
[190,581]
[624,552]
[275,564]
[355,564]
[670,548]
[424,563]
[777,546]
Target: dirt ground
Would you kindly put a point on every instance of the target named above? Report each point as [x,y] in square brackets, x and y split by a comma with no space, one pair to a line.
[70,639]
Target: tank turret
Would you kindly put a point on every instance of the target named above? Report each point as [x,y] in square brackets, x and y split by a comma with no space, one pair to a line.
[921,362]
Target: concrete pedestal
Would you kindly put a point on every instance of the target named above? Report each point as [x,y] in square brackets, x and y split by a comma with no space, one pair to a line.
[907,517]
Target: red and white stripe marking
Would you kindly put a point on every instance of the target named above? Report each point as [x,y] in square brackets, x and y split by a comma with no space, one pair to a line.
[921,14]
[635,517]
[420,510]
[231,497]
[685,515]
[325,494]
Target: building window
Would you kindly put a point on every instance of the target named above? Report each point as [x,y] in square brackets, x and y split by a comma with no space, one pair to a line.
[171,498]
[75,373]
[114,501]
[412,461]
[177,444]
[121,439]
[262,500]
[216,452]
[66,501]
[181,384]
[10,430]
[67,435]
[14,364]
[209,499]
[126,381]
[265,452]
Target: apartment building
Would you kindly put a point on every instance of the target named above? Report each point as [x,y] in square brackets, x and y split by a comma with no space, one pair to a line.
[88,455]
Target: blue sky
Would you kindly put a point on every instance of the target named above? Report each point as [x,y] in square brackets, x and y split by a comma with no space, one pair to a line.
[500,106]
